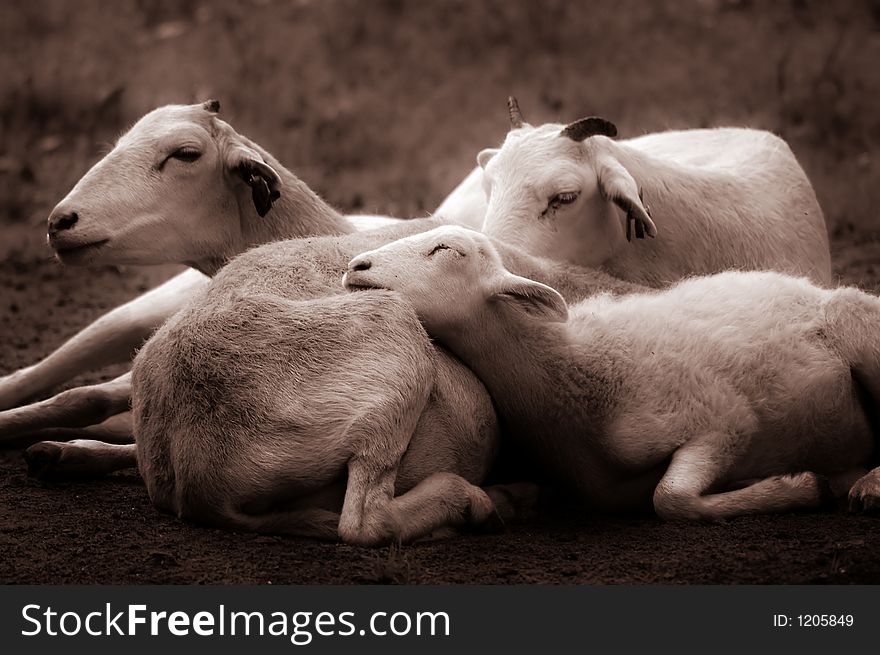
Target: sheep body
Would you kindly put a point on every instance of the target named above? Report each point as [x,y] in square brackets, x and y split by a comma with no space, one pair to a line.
[139,205]
[669,397]
[277,343]
[723,198]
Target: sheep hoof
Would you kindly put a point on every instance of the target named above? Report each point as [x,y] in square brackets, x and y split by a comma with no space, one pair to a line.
[56,460]
[43,460]
[864,495]
[515,502]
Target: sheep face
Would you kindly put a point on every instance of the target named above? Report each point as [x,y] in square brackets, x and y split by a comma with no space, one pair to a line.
[450,275]
[547,194]
[169,191]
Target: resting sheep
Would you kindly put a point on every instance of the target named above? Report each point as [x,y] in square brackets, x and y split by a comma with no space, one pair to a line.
[250,403]
[180,186]
[672,398]
[721,198]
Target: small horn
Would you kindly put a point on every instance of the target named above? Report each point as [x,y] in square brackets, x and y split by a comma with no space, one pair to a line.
[516,119]
[212,106]
[587,127]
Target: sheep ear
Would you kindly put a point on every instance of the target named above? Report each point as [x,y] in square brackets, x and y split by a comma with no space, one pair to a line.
[532,297]
[243,160]
[591,126]
[485,155]
[262,178]
[617,185]
[212,106]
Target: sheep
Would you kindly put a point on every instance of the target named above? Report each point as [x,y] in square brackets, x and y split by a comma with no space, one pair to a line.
[731,394]
[722,198]
[250,403]
[466,205]
[180,186]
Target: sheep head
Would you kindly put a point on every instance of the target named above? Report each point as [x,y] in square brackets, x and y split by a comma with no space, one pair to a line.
[449,275]
[552,190]
[176,187]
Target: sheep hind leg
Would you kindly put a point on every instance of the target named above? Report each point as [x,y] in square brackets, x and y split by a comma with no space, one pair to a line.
[698,466]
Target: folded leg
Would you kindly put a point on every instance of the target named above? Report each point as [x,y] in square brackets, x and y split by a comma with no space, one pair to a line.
[81,458]
[75,408]
[698,466]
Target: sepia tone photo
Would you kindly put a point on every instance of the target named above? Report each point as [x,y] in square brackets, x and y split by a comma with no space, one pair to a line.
[440,292]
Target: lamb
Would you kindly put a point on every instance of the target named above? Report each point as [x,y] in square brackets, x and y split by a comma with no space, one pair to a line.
[250,404]
[721,198]
[181,186]
[731,394]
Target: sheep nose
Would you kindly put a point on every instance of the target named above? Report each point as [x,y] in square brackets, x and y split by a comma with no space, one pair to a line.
[361,264]
[61,222]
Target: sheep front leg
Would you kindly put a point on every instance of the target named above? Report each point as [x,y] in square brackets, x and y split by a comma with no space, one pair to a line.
[74,408]
[442,500]
[80,458]
[115,430]
[111,339]
[371,515]
[698,466]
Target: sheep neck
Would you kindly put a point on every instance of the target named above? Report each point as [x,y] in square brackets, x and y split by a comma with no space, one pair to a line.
[299,212]
[538,378]
[574,282]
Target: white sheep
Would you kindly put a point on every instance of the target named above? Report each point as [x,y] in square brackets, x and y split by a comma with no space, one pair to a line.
[721,198]
[251,403]
[723,395]
[181,186]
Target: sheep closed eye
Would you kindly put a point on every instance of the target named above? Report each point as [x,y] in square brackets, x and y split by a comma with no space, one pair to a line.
[188,155]
[443,246]
[562,199]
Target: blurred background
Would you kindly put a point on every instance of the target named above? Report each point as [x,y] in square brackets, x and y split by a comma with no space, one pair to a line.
[382,105]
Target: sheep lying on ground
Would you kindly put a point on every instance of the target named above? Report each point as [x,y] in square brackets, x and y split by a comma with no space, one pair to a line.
[721,199]
[250,405]
[180,186]
[676,398]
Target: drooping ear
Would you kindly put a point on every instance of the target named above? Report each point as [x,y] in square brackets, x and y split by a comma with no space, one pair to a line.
[484,156]
[244,161]
[617,185]
[587,127]
[532,297]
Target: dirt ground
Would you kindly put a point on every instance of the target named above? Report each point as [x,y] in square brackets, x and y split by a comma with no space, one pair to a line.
[383,109]
[106,531]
